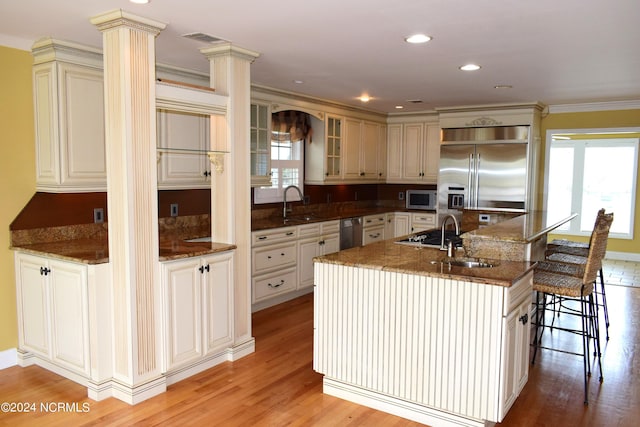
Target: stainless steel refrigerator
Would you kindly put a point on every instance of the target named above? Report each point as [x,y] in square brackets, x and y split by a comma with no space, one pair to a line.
[483,168]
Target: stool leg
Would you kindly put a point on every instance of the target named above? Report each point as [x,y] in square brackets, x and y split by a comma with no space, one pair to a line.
[585,346]
[604,303]
[536,339]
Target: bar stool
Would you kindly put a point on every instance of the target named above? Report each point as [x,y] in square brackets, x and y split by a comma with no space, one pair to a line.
[575,253]
[579,289]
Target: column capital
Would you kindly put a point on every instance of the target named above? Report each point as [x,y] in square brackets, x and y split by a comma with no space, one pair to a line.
[120,18]
[228,49]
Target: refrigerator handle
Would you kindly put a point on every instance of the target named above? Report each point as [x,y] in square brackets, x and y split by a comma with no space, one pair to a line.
[469,202]
[477,183]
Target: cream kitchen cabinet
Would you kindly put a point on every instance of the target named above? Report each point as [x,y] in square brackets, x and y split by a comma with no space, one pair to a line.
[197,296]
[315,240]
[69,118]
[260,145]
[323,157]
[361,151]
[282,260]
[382,153]
[183,140]
[273,263]
[373,228]
[397,224]
[61,321]
[516,329]
[413,153]
[423,221]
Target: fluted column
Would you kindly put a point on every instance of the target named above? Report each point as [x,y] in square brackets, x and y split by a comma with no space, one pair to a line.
[231,189]
[130,131]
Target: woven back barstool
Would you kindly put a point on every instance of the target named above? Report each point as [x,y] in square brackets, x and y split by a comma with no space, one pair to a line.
[575,255]
[578,289]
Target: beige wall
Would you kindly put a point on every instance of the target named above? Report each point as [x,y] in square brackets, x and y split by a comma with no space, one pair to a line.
[17,172]
[591,120]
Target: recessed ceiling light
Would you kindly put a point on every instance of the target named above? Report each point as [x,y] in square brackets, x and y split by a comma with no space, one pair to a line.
[503,87]
[417,38]
[399,107]
[298,82]
[139,1]
[364,98]
[470,67]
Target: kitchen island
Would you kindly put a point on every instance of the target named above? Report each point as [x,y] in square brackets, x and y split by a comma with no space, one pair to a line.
[406,331]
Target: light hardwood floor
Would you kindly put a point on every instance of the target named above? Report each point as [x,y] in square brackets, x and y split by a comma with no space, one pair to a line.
[276,386]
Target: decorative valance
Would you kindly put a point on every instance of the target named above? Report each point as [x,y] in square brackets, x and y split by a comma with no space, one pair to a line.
[291,125]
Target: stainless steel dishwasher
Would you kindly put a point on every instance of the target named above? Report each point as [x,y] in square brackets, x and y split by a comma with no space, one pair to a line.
[350,232]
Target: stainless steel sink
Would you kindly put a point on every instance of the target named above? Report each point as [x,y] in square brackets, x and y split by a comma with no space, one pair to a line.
[465,263]
[299,219]
[199,240]
[469,264]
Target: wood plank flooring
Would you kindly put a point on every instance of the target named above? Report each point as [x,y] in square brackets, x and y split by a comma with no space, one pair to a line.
[276,386]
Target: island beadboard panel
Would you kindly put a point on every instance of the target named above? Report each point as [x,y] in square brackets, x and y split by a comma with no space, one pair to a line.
[431,341]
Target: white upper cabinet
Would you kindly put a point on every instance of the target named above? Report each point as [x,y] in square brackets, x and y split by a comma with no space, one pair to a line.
[69,118]
[260,145]
[183,139]
[413,152]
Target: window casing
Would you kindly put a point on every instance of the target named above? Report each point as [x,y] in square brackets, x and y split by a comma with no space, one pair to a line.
[584,175]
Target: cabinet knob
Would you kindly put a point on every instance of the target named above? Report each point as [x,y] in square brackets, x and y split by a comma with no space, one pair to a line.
[524,318]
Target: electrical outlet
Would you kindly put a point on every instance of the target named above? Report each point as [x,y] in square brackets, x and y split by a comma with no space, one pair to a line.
[355,195]
[328,197]
[98,215]
[174,209]
[401,195]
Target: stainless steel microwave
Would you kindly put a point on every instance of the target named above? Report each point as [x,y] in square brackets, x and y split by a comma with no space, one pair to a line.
[421,199]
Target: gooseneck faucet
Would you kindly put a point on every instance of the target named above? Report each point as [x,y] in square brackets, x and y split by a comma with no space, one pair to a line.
[449,249]
[284,208]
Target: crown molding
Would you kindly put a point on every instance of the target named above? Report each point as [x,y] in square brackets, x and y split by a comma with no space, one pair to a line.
[595,106]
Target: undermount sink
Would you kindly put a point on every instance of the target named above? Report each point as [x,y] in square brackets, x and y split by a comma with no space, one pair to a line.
[199,240]
[465,263]
[300,218]
[469,264]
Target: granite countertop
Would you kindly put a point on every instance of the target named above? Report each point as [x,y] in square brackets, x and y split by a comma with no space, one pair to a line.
[524,228]
[390,256]
[312,217]
[96,251]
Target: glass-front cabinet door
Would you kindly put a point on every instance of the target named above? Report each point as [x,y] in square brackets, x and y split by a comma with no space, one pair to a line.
[260,143]
[334,141]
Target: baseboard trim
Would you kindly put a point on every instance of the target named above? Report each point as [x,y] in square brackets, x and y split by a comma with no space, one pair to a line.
[8,358]
[398,407]
[623,256]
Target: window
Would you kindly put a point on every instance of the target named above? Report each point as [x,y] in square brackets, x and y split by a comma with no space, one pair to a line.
[286,170]
[587,171]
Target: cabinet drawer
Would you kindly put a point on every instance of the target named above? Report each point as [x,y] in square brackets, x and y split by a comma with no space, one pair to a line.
[423,218]
[260,238]
[267,286]
[267,258]
[309,230]
[373,234]
[372,220]
[331,227]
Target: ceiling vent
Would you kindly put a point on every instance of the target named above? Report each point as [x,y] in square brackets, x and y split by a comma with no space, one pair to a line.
[415,101]
[202,37]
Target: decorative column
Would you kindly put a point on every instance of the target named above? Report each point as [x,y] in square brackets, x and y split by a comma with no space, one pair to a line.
[231,188]
[130,133]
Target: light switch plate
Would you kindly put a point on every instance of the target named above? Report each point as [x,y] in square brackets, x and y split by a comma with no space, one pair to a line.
[98,215]
[174,209]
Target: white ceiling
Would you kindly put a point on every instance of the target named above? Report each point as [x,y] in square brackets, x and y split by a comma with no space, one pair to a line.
[552,51]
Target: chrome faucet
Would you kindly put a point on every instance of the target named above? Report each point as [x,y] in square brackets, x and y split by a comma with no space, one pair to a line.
[448,248]
[284,208]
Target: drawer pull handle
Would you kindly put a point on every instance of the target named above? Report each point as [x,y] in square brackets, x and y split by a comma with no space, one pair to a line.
[282,254]
[277,285]
[290,233]
[262,237]
[44,271]
[268,256]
